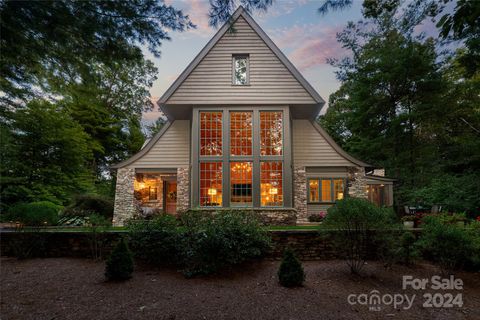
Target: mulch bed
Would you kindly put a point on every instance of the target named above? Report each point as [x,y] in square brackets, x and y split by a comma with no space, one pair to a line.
[61,288]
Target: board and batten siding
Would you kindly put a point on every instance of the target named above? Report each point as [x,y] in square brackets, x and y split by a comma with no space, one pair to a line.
[172,150]
[310,149]
[270,81]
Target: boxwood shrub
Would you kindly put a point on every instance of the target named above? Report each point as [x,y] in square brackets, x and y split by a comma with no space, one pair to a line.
[35,213]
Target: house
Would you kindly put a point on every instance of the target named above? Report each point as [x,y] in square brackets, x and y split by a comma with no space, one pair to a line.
[241,133]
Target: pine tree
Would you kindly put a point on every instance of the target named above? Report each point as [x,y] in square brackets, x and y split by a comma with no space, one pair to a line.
[119,265]
[290,273]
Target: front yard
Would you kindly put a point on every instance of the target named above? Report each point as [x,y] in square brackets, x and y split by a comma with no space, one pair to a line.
[63,288]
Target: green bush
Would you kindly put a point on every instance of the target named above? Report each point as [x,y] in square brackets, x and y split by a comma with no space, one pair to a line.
[450,246]
[155,241]
[290,273]
[35,213]
[88,204]
[211,242]
[355,225]
[407,251]
[119,265]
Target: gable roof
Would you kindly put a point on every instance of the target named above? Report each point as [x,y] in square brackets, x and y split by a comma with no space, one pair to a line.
[240,12]
[337,148]
[145,148]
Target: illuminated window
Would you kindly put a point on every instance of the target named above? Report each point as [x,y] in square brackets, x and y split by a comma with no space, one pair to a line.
[325,190]
[241,184]
[152,193]
[240,70]
[271,131]
[210,133]
[241,133]
[210,184]
[338,189]
[271,184]
[313,194]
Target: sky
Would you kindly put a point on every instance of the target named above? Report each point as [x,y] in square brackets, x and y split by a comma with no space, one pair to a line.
[304,36]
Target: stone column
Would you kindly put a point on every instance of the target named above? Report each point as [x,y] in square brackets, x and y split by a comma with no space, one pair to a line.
[300,193]
[357,184]
[183,189]
[124,207]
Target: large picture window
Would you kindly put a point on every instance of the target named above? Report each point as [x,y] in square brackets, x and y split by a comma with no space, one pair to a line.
[325,189]
[241,133]
[210,133]
[211,184]
[271,132]
[240,160]
[271,184]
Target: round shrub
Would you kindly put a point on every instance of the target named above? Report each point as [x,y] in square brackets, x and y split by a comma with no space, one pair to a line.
[87,204]
[35,213]
[290,273]
[119,265]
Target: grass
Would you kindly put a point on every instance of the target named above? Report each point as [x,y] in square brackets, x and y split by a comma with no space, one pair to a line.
[275,228]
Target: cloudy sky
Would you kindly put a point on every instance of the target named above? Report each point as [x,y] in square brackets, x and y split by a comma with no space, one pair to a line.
[305,37]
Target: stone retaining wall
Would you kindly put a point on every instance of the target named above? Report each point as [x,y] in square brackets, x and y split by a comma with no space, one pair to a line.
[308,244]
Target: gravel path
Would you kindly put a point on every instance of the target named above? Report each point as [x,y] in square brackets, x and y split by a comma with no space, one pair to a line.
[75,289]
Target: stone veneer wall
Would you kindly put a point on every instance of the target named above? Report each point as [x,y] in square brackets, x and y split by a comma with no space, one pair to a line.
[183,189]
[357,184]
[124,207]
[308,244]
[300,193]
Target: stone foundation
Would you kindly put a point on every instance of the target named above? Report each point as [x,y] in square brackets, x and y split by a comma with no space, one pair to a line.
[357,183]
[183,189]
[300,193]
[124,207]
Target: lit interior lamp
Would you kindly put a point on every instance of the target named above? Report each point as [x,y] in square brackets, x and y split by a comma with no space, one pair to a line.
[340,195]
[141,185]
[212,192]
[273,191]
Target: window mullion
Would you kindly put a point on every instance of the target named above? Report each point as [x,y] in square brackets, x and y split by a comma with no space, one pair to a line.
[256,159]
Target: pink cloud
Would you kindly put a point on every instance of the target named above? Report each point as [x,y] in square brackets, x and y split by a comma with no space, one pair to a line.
[309,44]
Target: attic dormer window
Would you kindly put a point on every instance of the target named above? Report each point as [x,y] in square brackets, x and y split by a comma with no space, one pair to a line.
[240,70]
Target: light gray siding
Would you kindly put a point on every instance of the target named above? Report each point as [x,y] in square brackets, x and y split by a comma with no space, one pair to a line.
[311,149]
[172,150]
[270,81]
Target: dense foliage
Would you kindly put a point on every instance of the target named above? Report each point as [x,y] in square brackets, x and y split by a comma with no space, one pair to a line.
[201,243]
[37,214]
[356,226]
[406,105]
[451,246]
[290,273]
[88,204]
[226,238]
[119,265]
[155,241]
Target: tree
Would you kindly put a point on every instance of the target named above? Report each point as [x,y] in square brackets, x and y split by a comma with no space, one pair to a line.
[44,156]
[222,10]
[78,34]
[119,265]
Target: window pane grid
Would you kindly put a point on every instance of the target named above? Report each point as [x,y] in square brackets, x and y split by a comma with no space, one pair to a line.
[271,130]
[271,184]
[326,190]
[210,133]
[241,184]
[241,133]
[210,184]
